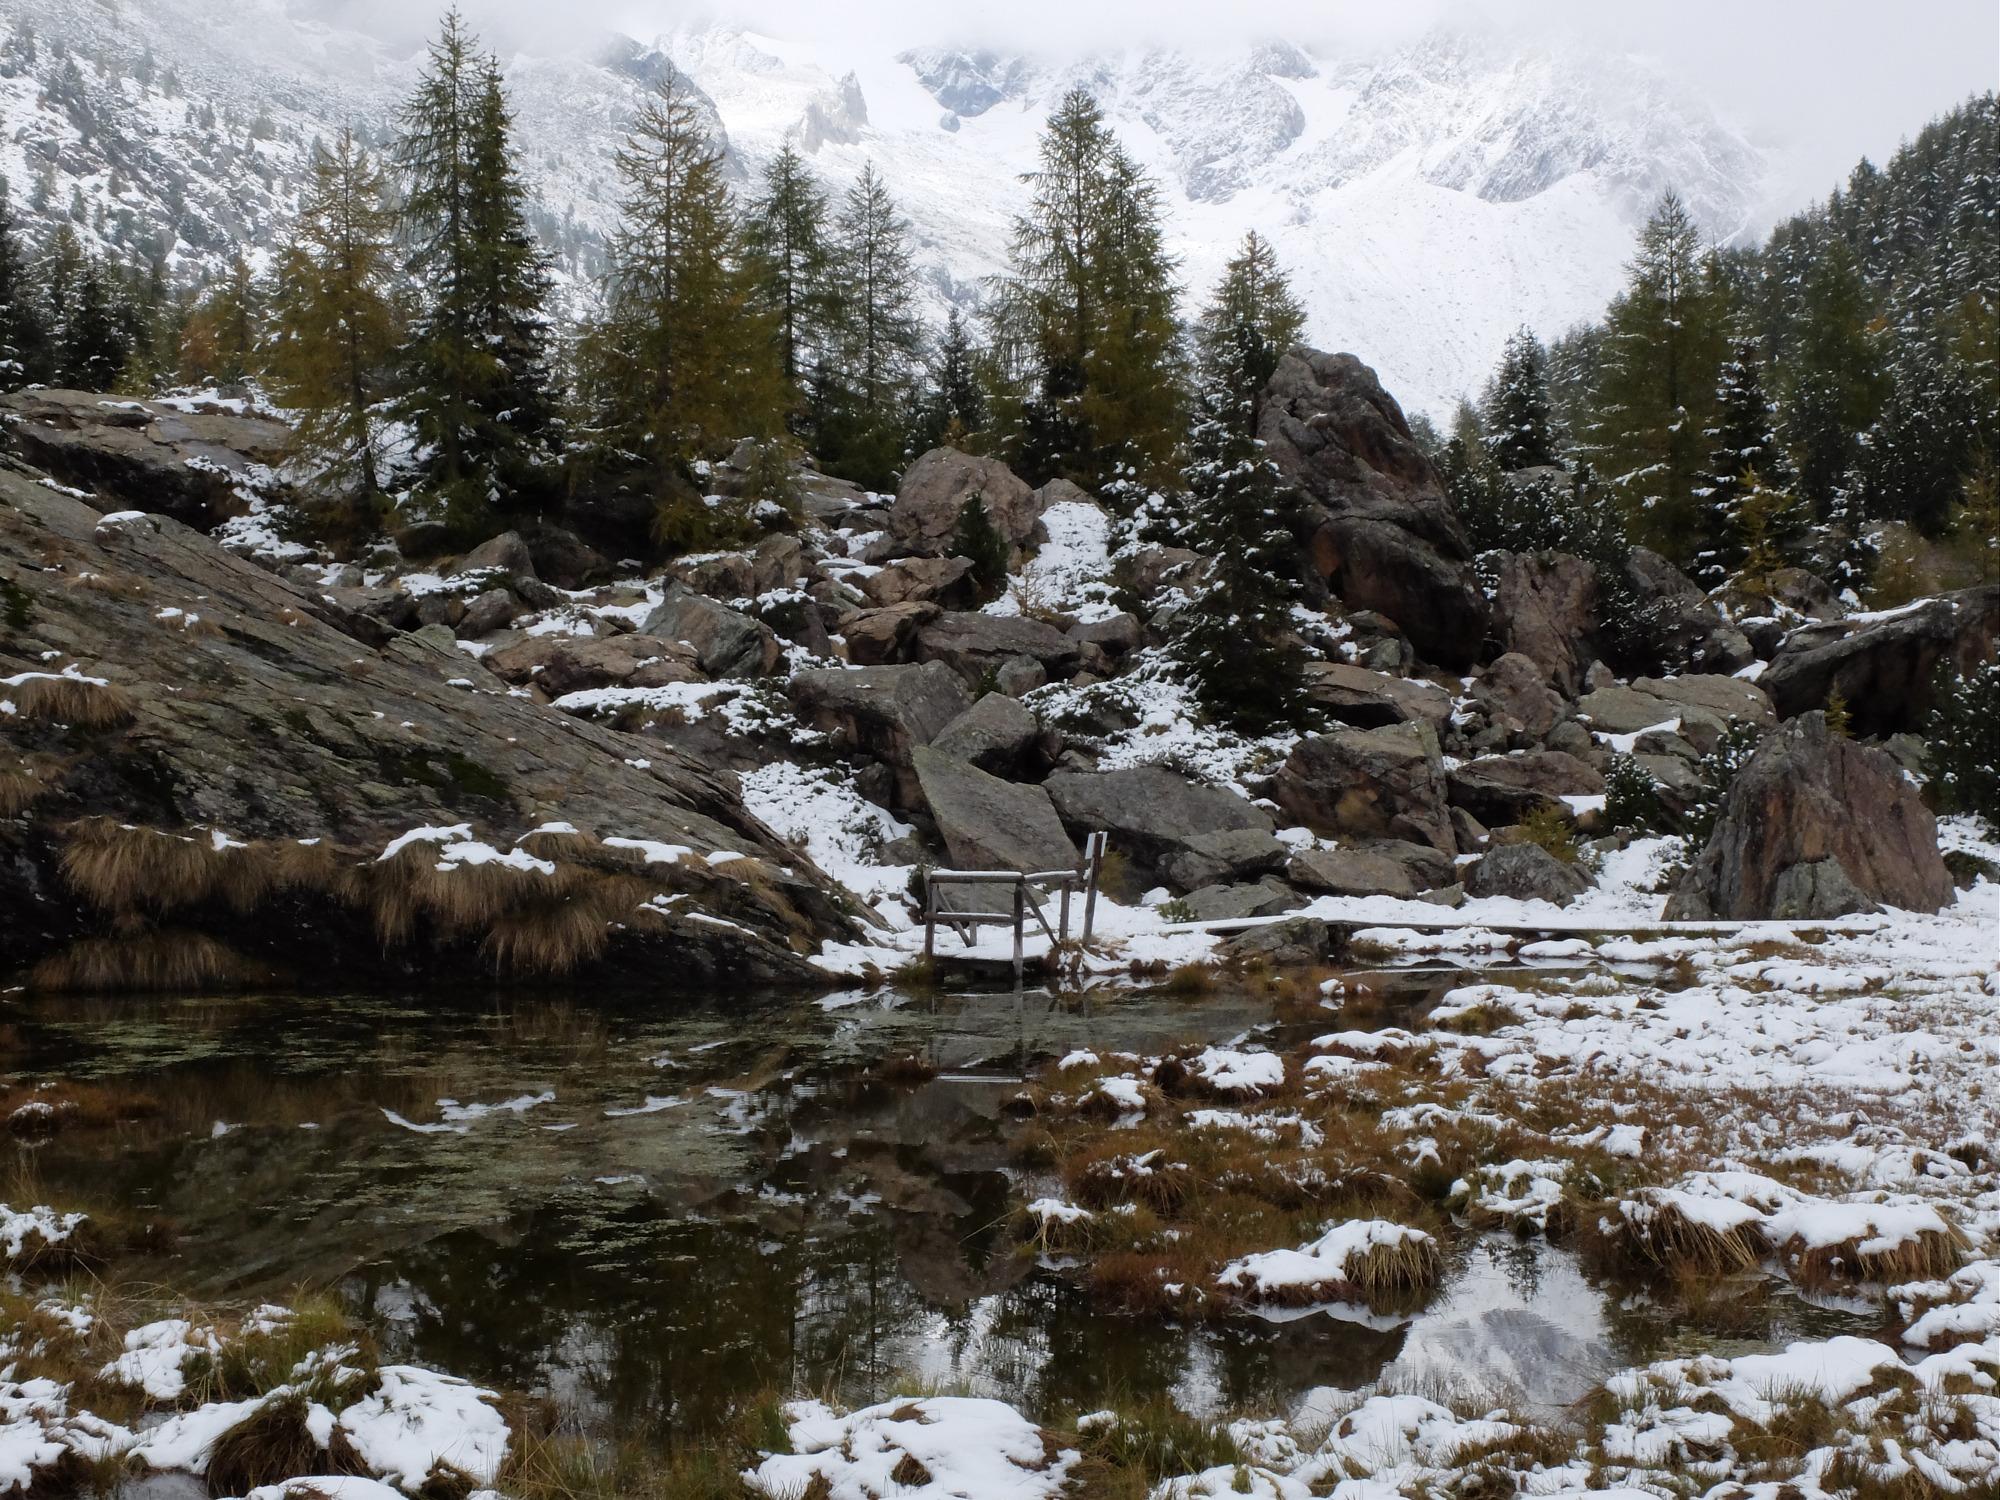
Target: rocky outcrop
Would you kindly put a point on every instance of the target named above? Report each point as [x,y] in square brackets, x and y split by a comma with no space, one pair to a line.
[1150,813]
[990,824]
[1677,627]
[1368,784]
[887,713]
[1545,608]
[1524,872]
[936,489]
[1374,514]
[179,459]
[979,646]
[1882,665]
[1809,799]
[1500,789]
[1369,700]
[270,757]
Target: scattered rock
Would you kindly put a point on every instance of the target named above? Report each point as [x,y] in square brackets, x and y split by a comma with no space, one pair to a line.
[996,734]
[1295,943]
[880,637]
[917,580]
[1806,797]
[1499,789]
[1369,700]
[1381,530]
[568,664]
[886,712]
[726,643]
[990,824]
[935,490]
[1518,700]
[1524,872]
[1545,607]
[1150,812]
[1350,872]
[975,645]
[491,611]
[1218,858]
[1232,903]
[505,556]
[1368,783]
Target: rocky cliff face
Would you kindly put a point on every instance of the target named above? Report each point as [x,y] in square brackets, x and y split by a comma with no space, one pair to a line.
[208,773]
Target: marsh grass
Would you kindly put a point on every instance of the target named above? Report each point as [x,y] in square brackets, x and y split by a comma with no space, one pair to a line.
[145,962]
[73,701]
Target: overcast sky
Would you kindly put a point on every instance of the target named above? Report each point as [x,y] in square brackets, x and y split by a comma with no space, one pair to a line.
[1828,80]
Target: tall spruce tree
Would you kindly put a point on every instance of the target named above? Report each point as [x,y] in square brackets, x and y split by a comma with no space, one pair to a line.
[876,336]
[1235,639]
[1252,293]
[954,406]
[94,341]
[1655,383]
[1084,322]
[475,381]
[787,232]
[335,322]
[24,333]
[1747,467]
[685,360]
[1516,409]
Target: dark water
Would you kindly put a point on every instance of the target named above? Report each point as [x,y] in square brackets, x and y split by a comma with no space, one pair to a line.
[715,1203]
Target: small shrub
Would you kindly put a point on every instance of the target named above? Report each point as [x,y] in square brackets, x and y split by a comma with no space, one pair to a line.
[1550,831]
[687,522]
[976,539]
[1631,796]
[1958,742]
[1719,770]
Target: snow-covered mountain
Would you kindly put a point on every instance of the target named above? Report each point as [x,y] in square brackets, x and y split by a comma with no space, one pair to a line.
[1426,201]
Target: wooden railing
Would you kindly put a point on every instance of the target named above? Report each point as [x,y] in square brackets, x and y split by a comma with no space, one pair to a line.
[1026,891]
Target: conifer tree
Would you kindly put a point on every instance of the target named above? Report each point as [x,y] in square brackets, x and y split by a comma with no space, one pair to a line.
[94,344]
[1656,380]
[685,361]
[24,333]
[1085,320]
[475,384]
[954,409]
[1520,429]
[1252,293]
[336,321]
[1745,459]
[787,232]
[876,336]
[1235,639]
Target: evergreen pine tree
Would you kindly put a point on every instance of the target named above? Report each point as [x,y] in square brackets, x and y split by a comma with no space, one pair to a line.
[336,323]
[1253,293]
[1516,411]
[876,335]
[475,383]
[954,409]
[684,361]
[1655,382]
[24,333]
[1235,638]
[975,538]
[1084,323]
[1744,458]
[94,345]
[787,233]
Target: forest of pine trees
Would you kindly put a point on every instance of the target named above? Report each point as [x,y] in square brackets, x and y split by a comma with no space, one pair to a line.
[1829,400]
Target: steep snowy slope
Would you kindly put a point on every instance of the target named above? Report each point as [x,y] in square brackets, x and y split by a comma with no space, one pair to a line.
[1426,202]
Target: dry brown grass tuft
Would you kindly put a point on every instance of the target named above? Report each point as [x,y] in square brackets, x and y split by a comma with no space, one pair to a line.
[27,781]
[1926,1255]
[125,868]
[145,961]
[567,929]
[72,701]
[1654,1231]
[273,1444]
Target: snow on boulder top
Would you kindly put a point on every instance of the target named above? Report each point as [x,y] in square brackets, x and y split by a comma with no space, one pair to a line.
[1231,1072]
[943,1448]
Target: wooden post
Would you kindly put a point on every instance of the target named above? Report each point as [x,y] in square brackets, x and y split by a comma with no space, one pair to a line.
[1094,859]
[1020,914]
[1062,922]
[930,918]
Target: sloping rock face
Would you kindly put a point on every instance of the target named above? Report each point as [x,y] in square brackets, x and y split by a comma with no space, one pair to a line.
[1809,799]
[178,462]
[935,490]
[262,722]
[1379,526]
[1369,784]
[990,824]
[1150,813]
[1883,666]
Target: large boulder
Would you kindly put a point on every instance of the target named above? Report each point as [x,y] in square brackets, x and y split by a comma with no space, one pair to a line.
[917,580]
[1882,664]
[997,734]
[1524,872]
[725,642]
[1368,784]
[987,823]
[1150,812]
[1545,608]
[1377,521]
[1521,706]
[1351,872]
[936,488]
[880,637]
[1677,627]
[1807,798]
[886,712]
[180,459]
[1220,858]
[1499,789]
[559,664]
[977,646]
[1369,700]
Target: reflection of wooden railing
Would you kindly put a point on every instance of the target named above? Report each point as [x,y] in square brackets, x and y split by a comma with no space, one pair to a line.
[1028,889]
